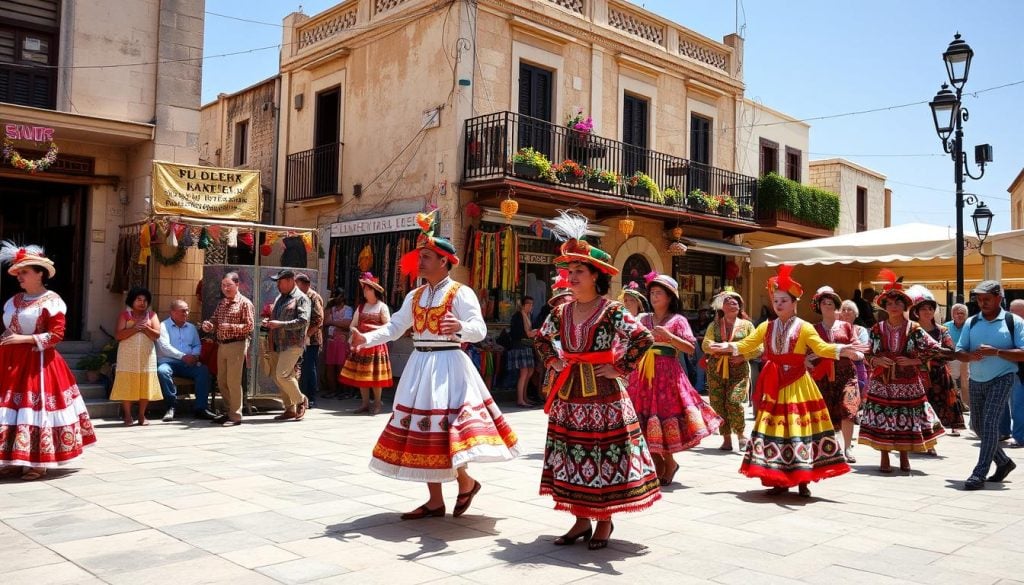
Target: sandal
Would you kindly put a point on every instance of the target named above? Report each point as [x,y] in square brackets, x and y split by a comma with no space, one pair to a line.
[467,498]
[668,480]
[598,544]
[32,474]
[424,512]
[301,408]
[569,539]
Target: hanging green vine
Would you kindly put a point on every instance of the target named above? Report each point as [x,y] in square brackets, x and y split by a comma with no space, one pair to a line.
[177,257]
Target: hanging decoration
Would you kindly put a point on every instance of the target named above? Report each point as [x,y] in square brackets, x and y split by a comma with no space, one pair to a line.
[677,233]
[188,238]
[249,239]
[537,227]
[145,241]
[205,240]
[266,249]
[33,166]
[365,261]
[214,231]
[307,241]
[178,256]
[509,206]
[231,238]
[677,248]
[473,210]
[732,270]
[626,225]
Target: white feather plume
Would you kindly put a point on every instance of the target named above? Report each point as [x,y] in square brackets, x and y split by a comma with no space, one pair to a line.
[9,250]
[569,225]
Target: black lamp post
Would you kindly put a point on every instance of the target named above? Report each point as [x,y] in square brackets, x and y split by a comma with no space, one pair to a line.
[949,116]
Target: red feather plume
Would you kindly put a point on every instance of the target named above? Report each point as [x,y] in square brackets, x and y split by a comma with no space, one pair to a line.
[784,280]
[889,276]
[409,264]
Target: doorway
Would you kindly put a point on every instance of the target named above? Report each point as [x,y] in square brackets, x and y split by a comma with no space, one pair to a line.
[51,215]
[327,139]
[535,105]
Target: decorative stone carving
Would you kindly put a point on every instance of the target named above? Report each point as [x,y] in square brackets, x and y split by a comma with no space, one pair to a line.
[570,5]
[636,26]
[327,29]
[706,55]
[385,5]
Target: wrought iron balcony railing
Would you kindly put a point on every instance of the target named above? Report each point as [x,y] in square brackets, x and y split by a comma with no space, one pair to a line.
[314,173]
[492,140]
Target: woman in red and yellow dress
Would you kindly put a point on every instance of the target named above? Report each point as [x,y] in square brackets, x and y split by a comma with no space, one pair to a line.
[793,442]
[596,460]
[43,420]
[369,369]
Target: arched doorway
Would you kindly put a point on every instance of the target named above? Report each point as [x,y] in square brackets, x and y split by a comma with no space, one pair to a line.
[635,268]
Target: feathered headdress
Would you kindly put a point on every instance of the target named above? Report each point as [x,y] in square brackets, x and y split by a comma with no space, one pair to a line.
[719,299]
[409,264]
[21,256]
[783,280]
[571,228]
[892,289]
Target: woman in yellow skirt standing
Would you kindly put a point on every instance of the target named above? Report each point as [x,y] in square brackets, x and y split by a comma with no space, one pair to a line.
[135,379]
[793,441]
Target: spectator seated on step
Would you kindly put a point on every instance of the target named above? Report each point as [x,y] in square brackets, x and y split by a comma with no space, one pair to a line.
[178,351]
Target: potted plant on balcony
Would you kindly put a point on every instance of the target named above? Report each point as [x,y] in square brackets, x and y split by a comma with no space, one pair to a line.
[601,180]
[746,211]
[580,127]
[570,172]
[530,163]
[672,196]
[727,205]
[640,184]
[698,200]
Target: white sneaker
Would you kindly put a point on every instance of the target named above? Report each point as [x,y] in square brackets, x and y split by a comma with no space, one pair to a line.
[169,415]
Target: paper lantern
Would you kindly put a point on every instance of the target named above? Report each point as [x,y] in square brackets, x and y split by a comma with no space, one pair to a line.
[509,207]
[626,226]
[473,210]
[677,248]
[677,232]
[732,270]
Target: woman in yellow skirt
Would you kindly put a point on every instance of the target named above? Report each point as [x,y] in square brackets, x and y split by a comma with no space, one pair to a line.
[135,379]
[793,441]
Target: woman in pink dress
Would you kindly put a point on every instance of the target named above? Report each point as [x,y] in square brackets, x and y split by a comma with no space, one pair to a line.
[43,420]
[672,414]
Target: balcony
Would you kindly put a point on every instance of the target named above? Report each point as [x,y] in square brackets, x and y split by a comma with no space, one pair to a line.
[690,188]
[313,173]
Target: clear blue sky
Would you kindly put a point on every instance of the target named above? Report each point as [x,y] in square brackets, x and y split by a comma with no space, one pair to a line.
[805,58]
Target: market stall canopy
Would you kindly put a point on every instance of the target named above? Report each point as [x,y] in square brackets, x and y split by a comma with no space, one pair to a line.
[900,243]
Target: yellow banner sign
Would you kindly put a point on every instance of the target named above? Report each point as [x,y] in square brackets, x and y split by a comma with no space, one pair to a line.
[206,192]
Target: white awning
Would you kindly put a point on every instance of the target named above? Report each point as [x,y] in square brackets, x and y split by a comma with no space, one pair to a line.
[901,243]
[717,247]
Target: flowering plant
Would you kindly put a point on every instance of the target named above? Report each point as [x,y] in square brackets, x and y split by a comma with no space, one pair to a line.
[607,178]
[672,195]
[8,152]
[534,158]
[580,123]
[569,170]
[727,205]
[746,210]
[642,180]
[702,200]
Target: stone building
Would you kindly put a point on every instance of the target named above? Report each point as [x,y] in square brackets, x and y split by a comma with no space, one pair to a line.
[865,202]
[118,83]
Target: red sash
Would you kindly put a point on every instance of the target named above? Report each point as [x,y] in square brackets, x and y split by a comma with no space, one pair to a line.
[586,362]
[774,375]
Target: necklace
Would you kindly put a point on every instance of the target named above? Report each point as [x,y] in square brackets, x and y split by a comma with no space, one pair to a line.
[781,334]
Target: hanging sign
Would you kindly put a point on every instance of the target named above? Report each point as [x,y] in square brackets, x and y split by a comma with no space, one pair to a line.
[376,225]
[533,258]
[208,192]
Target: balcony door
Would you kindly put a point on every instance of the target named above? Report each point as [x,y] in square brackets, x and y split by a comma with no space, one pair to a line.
[634,134]
[700,153]
[535,100]
[326,136]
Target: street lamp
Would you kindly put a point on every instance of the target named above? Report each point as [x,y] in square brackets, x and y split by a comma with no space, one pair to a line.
[982,218]
[949,115]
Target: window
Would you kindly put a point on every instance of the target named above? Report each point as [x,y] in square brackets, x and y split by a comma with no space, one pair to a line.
[769,157]
[862,209]
[700,139]
[535,104]
[22,79]
[634,133]
[794,163]
[241,143]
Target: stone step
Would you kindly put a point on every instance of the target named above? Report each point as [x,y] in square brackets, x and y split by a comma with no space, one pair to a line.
[100,408]
[74,347]
[92,391]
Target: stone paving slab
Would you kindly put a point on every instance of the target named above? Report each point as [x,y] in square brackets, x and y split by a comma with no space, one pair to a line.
[266,502]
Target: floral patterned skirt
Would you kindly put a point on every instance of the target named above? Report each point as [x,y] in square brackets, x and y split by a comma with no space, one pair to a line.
[596,461]
[897,417]
[672,414]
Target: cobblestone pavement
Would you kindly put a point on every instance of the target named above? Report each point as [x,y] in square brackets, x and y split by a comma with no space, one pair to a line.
[271,502]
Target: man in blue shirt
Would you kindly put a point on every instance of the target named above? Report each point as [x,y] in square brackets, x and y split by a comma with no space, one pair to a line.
[992,349]
[178,355]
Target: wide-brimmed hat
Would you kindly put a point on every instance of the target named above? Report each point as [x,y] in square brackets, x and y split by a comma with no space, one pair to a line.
[22,256]
[427,222]
[664,280]
[571,228]
[893,289]
[783,280]
[919,297]
[371,281]
[825,292]
[719,300]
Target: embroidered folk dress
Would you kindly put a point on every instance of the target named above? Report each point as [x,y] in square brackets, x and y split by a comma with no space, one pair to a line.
[368,367]
[43,420]
[793,440]
[443,416]
[672,414]
[896,415]
[942,392]
[596,460]
[135,378]
[837,379]
[728,384]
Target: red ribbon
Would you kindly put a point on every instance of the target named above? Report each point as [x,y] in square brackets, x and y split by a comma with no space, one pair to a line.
[775,375]
[571,360]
